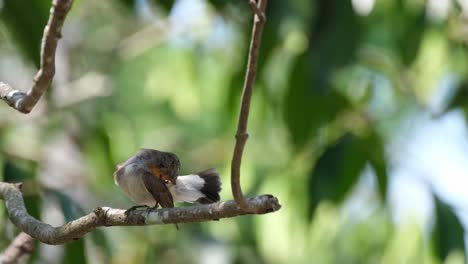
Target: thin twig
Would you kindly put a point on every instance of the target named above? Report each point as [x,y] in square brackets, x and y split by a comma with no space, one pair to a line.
[105,216]
[241,135]
[19,250]
[257,11]
[25,102]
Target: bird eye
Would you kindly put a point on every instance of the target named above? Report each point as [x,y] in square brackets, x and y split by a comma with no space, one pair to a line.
[166,181]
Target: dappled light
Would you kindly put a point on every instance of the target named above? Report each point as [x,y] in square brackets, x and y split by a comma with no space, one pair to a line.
[357,127]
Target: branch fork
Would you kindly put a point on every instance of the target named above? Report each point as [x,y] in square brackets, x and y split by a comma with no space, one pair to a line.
[106,216]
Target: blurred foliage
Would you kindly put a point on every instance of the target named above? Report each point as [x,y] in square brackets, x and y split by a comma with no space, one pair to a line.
[334,85]
[447,239]
[338,169]
[26,21]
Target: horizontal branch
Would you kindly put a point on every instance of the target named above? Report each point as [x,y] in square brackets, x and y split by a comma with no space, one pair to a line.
[106,216]
[24,102]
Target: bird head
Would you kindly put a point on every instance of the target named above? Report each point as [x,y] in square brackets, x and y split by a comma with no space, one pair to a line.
[164,165]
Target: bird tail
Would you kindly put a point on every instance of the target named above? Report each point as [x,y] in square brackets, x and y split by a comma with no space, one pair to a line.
[201,188]
[211,187]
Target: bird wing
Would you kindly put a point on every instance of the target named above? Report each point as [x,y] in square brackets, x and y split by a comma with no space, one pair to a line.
[159,190]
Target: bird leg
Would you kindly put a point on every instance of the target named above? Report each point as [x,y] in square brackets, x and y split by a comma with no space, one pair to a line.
[156,207]
[133,208]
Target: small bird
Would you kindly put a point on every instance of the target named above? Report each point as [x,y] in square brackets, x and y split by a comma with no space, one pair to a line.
[151,178]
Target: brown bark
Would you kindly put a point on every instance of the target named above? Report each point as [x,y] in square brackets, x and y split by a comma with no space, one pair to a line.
[24,102]
[106,216]
[241,135]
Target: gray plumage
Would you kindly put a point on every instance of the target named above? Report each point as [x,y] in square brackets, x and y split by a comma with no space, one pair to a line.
[151,178]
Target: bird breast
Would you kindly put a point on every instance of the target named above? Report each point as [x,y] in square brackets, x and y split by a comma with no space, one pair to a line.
[131,183]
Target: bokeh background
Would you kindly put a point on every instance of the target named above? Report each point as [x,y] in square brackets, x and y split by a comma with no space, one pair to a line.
[358,125]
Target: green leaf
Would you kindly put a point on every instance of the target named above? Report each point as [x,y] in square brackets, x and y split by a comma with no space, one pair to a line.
[373,146]
[336,23]
[276,13]
[310,100]
[16,170]
[410,35]
[128,3]
[166,4]
[100,240]
[75,252]
[336,171]
[71,211]
[459,99]
[448,233]
[220,4]
[25,21]
[307,108]
[95,144]
[398,26]
[300,99]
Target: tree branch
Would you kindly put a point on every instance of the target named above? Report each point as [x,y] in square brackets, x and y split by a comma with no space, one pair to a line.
[20,248]
[106,216]
[260,14]
[24,102]
[241,135]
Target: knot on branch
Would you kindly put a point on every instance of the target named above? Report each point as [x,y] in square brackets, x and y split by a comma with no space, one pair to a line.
[61,6]
[242,136]
[9,95]
[101,215]
[15,96]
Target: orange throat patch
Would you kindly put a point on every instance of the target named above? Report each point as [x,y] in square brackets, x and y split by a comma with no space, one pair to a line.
[160,175]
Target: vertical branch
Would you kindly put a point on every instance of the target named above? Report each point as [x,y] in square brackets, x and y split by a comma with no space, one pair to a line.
[24,102]
[241,135]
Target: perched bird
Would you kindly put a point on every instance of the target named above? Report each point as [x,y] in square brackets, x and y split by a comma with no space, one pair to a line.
[151,178]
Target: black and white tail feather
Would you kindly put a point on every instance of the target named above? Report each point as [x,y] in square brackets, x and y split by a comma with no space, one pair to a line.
[199,188]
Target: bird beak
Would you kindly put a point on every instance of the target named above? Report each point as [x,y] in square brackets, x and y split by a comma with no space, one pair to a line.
[166,177]
[174,174]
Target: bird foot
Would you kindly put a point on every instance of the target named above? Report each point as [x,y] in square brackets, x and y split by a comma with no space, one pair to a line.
[133,208]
